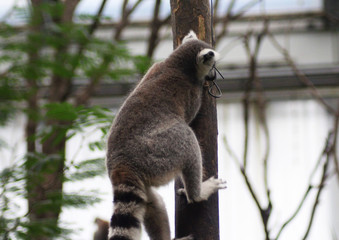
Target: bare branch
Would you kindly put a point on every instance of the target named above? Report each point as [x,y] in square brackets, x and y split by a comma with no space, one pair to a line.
[309,188]
[316,201]
[155,26]
[125,14]
[254,81]
[96,20]
[225,20]
[246,99]
[336,129]
[301,76]
[229,17]
[132,9]
[301,204]
[264,212]
[83,95]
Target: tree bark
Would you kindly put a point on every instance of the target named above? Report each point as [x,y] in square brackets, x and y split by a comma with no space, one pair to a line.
[199,219]
[44,179]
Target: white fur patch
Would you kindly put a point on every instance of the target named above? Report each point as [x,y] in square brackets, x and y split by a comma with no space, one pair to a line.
[204,67]
[208,187]
[131,233]
[211,186]
[207,50]
[190,36]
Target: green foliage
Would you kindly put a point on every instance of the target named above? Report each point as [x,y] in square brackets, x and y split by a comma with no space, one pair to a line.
[28,62]
[36,165]
[86,169]
[142,63]
[63,111]
[11,191]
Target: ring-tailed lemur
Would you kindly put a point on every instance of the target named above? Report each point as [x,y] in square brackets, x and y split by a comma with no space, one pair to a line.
[150,142]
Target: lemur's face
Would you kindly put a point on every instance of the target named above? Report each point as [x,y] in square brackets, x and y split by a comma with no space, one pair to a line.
[206,60]
[204,57]
[207,57]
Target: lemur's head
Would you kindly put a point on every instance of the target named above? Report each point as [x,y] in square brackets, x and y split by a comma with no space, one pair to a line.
[197,55]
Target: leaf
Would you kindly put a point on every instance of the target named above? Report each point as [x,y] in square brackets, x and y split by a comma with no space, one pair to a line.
[86,169]
[97,145]
[63,111]
[119,73]
[78,201]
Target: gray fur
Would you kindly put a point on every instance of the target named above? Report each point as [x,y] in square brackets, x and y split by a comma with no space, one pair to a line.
[151,143]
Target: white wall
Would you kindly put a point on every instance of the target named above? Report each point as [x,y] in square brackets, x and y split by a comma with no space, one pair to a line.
[298,129]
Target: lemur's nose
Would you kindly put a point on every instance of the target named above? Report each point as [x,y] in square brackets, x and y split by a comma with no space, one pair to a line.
[208,56]
[211,54]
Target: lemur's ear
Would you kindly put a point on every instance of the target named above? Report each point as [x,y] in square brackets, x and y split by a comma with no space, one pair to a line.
[190,36]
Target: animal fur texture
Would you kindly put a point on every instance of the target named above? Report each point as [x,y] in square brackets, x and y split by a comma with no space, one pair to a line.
[151,143]
[102,230]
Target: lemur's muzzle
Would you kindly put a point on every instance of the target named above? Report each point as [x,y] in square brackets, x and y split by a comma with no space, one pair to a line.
[208,56]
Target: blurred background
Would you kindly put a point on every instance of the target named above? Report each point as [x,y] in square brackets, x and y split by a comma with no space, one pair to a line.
[67,65]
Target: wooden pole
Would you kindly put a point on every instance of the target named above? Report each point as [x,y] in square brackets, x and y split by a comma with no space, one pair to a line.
[199,219]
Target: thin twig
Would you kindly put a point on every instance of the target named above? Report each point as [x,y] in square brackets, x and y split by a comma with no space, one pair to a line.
[83,95]
[231,152]
[230,17]
[301,204]
[300,75]
[335,157]
[155,26]
[249,186]
[96,20]
[125,14]
[254,81]
[327,151]
[225,20]
[246,99]
[261,106]
[316,202]
[309,188]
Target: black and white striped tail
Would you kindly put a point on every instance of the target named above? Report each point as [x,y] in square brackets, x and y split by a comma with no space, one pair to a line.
[129,211]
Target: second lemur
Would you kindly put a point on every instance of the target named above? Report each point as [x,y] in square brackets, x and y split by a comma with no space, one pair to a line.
[151,142]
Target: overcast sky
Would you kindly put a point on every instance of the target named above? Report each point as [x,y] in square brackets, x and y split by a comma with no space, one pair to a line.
[144,11]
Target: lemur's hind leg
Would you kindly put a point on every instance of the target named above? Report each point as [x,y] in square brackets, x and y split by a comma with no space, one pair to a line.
[156,219]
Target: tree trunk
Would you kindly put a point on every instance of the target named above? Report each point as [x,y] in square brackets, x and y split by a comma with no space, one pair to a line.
[199,219]
[45,176]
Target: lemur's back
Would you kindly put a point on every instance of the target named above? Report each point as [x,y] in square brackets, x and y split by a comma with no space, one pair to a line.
[151,126]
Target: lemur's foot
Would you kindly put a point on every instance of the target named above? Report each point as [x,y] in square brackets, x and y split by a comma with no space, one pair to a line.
[189,237]
[181,192]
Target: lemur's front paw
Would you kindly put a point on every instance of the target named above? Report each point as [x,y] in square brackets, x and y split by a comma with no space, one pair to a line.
[211,186]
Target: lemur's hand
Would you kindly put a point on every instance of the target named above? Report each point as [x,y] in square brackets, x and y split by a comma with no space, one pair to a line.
[208,187]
